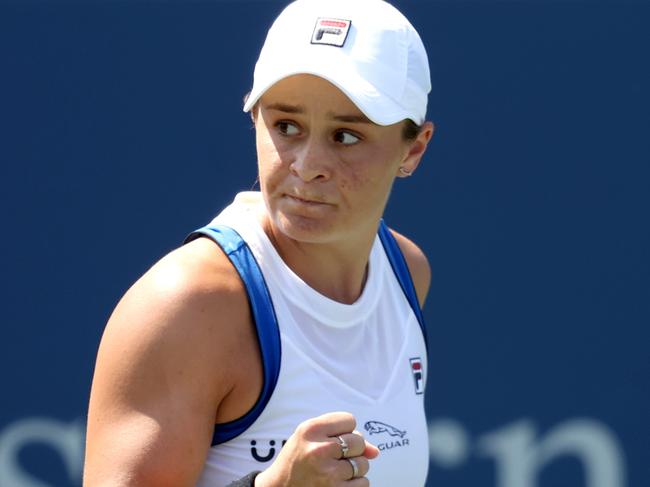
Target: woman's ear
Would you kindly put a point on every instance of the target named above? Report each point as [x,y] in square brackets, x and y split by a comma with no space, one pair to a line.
[417,148]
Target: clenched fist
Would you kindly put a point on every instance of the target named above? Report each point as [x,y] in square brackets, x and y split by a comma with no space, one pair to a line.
[322,452]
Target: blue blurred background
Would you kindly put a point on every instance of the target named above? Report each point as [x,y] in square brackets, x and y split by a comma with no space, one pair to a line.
[121,130]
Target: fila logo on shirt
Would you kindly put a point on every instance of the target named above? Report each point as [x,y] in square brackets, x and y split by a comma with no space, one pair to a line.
[418,374]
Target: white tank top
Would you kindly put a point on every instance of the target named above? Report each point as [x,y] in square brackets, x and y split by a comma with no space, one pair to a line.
[367,358]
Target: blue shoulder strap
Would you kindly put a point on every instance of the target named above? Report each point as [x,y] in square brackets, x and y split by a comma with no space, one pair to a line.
[263,316]
[401,270]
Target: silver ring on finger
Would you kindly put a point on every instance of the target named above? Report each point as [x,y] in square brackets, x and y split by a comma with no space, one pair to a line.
[344,447]
[355,468]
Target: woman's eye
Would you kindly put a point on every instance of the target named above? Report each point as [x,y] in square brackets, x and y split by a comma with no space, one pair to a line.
[287,128]
[346,138]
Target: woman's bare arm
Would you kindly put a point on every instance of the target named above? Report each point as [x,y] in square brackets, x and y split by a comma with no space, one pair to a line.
[164,368]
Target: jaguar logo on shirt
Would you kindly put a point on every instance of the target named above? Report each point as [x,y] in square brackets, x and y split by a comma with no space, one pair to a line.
[376,427]
[379,428]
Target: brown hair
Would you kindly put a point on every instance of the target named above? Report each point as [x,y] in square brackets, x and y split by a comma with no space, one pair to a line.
[410,130]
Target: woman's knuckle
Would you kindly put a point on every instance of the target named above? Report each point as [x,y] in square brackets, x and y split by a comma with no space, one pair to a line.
[323,449]
[304,428]
[313,450]
[353,420]
[332,470]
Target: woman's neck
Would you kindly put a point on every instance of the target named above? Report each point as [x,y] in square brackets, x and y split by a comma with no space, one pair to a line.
[338,271]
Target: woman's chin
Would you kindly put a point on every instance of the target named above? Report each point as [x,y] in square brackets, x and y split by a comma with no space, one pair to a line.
[304,228]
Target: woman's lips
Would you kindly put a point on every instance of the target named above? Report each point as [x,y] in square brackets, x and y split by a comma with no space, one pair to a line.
[306,201]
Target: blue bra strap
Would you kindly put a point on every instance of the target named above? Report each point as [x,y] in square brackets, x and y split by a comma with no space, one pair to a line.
[401,270]
[263,316]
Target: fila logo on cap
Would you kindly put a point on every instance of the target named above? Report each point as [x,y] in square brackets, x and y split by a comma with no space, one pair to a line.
[331,32]
[416,370]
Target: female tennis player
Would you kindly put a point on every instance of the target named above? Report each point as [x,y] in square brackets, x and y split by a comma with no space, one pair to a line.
[283,344]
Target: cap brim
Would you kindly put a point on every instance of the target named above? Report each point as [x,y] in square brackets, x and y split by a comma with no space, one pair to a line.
[380,109]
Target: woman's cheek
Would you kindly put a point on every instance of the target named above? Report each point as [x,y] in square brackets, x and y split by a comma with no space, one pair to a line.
[352,182]
[272,173]
[353,175]
[269,158]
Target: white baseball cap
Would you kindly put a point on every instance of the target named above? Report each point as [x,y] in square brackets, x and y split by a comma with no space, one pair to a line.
[366,48]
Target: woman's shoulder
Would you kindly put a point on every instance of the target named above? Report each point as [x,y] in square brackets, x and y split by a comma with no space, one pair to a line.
[189,305]
[196,269]
[167,367]
[198,274]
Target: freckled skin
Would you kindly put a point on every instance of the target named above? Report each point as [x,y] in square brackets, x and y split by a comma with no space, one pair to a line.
[308,154]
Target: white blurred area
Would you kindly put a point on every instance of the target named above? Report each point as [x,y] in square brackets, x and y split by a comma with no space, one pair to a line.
[519,452]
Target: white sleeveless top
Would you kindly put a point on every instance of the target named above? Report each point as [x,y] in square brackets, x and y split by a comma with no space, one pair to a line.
[367,358]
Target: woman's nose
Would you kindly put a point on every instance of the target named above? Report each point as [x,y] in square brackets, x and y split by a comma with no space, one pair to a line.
[312,161]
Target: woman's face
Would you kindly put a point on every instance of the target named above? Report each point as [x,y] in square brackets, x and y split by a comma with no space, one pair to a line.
[325,170]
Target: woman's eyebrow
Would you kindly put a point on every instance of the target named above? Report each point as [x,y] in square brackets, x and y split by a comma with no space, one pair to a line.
[348,118]
[283,107]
